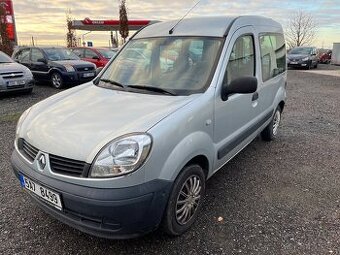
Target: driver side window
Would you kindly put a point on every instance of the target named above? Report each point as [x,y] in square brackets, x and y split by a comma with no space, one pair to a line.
[242,59]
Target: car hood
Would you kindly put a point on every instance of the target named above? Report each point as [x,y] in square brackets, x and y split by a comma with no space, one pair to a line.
[12,67]
[79,123]
[297,56]
[73,62]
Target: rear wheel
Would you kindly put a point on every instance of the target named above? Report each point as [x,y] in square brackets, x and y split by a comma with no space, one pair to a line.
[185,201]
[271,131]
[57,80]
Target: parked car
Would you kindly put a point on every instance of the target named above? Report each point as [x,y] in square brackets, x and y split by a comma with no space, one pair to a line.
[132,150]
[326,57]
[98,56]
[306,57]
[56,65]
[13,76]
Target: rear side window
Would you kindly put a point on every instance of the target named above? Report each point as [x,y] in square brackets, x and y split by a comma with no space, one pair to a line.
[242,59]
[79,52]
[90,54]
[23,55]
[273,55]
[36,55]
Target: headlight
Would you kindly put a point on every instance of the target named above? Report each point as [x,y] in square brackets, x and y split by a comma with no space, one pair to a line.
[122,156]
[305,59]
[69,68]
[28,72]
[21,120]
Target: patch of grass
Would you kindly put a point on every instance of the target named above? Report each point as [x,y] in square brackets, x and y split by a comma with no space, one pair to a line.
[12,117]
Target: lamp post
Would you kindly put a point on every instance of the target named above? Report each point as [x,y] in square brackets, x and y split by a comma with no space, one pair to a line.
[83,36]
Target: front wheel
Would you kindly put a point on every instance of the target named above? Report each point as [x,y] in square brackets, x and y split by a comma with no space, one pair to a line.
[184,201]
[271,131]
[57,80]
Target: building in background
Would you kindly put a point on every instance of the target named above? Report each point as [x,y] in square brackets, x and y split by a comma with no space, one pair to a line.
[336,54]
[9,20]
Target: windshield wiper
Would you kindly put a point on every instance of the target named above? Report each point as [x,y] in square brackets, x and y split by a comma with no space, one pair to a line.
[154,89]
[113,82]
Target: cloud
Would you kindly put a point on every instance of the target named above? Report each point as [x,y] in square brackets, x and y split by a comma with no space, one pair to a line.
[45,19]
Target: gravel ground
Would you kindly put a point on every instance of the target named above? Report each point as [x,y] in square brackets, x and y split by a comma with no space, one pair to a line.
[281,197]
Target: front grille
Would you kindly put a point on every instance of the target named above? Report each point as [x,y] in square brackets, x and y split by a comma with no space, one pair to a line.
[59,165]
[12,75]
[67,166]
[29,151]
[85,69]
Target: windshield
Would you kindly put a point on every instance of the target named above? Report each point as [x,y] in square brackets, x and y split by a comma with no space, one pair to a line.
[56,54]
[182,65]
[302,51]
[107,53]
[4,58]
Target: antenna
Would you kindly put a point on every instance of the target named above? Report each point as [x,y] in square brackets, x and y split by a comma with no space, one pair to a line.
[173,28]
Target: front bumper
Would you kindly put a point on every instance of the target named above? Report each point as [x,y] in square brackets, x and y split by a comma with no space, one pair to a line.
[109,213]
[77,77]
[299,63]
[28,85]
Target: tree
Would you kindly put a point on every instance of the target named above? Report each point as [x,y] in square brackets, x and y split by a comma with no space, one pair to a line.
[123,21]
[301,30]
[5,42]
[71,37]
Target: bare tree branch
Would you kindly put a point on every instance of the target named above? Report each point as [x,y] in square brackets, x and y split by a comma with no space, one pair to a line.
[71,37]
[301,30]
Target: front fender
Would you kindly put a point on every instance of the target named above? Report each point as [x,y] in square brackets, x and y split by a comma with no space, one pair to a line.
[195,144]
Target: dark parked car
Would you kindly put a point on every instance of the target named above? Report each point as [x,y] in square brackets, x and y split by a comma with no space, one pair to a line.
[60,66]
[98,56]
[13,76]
[306,57]
[326,57]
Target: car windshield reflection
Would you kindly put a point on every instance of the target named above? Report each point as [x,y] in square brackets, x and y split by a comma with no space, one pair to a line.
[182,65]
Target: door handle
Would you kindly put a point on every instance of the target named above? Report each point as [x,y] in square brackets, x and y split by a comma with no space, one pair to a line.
[255,96]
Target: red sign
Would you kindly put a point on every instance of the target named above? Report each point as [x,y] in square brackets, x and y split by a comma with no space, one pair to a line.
[88,21]
[7,6]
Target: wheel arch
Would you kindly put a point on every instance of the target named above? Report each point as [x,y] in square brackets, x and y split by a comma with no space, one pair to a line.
[202,161]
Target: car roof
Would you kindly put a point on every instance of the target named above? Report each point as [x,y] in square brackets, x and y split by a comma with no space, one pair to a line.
[216,26]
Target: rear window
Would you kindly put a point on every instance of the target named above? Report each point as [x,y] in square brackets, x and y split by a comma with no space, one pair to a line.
[273,55]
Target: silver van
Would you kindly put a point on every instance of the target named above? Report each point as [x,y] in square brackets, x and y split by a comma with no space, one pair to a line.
[132,150]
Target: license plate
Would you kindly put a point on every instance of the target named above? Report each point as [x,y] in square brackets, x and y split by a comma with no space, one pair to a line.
[46,194]
[293,63]
[86,75]
[16,83]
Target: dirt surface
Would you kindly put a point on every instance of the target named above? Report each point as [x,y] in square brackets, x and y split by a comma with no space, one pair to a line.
[281,197]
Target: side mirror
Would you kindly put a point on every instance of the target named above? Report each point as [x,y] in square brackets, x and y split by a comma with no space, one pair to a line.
[242,85]
[95,57]
[42,60]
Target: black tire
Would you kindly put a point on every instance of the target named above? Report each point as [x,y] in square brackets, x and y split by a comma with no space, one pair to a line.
[172,222]
[316,65]
[57,80]
[271,131]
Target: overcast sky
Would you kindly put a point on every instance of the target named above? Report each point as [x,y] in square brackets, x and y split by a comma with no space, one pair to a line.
[45,19]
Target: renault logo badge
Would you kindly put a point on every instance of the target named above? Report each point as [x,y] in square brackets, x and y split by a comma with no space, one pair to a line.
[42,161]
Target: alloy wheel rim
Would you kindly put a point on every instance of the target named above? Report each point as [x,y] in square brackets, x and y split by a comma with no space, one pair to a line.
[188,199]
[276,122]
[56,80]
